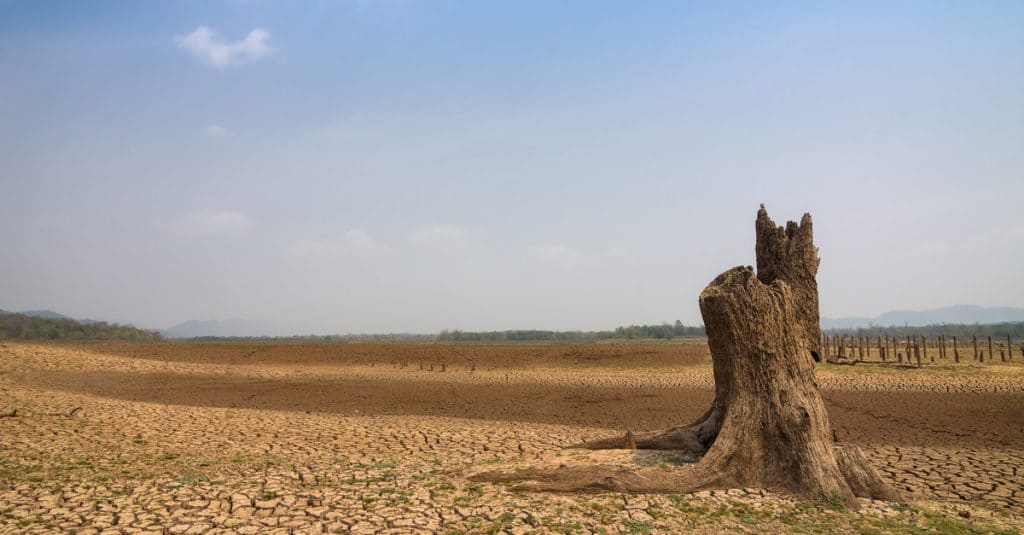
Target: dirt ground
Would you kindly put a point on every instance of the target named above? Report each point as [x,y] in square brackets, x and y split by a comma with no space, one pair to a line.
[246,437]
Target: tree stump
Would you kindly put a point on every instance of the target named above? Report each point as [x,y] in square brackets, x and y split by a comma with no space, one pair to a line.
[767,426]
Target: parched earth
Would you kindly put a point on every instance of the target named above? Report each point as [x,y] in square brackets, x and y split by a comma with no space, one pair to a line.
[307,438]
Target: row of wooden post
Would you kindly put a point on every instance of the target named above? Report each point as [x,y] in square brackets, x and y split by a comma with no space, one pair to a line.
[858,348]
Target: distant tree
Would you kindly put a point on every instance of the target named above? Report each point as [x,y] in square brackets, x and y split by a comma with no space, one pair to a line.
[22,327]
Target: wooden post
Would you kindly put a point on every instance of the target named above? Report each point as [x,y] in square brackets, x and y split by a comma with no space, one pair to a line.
[924,348]
[881,352]
[974,343]
[1009,347]
[956,351]
[990,353]
[860,348]
[917,352]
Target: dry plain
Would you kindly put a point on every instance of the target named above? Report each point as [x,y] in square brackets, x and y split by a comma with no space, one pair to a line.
[353,437]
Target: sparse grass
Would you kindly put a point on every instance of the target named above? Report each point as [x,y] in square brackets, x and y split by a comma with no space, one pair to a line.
[636,526]
[152,467]
[834,502]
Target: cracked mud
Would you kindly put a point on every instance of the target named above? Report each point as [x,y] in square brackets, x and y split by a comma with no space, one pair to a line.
[195,438]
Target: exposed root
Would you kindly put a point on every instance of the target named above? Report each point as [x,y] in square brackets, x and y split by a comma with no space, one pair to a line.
[694,438]
[9,414]
[592,479]
[677,438]
[862,477]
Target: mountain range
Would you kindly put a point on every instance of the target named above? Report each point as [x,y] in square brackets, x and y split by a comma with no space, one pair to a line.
[967,314]
[963,314]
[228,327]
[49,315]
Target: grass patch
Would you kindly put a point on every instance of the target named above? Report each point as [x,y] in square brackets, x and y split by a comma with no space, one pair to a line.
[636,526]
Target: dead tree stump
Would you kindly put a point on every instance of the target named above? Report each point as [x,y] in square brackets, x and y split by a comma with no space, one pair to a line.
[767,426]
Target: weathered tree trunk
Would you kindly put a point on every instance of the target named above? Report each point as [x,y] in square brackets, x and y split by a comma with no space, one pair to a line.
[767,426]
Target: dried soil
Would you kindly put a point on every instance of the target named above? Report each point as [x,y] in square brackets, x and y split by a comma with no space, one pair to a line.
[365,437]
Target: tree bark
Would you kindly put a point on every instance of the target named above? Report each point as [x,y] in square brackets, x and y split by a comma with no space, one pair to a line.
[767,426]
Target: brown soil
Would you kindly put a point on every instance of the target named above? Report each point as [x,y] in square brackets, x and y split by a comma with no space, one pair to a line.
[483,355]
[977,419]
[193,422]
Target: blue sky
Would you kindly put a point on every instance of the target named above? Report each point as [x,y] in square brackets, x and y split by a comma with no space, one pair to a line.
[412,166]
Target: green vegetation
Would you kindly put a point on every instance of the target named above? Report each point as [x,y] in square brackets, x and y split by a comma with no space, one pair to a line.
[963,331]
[388,337]
[665,331]
[24,327]
[668,331]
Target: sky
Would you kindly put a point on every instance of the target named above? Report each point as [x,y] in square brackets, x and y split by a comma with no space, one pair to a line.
[411,166]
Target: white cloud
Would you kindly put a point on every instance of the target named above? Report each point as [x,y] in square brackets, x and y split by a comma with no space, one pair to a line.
[999,235]
[559,255]
[205,44]
[358,242]
[313,248]
[206,222]
[441,237]
[215,130]
[355,242]
[930,248]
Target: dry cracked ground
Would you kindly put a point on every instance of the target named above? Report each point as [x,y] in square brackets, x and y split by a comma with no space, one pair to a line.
[366,438]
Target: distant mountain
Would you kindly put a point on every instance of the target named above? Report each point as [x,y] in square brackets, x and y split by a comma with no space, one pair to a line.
[51,315]
[967,314]
[47,314]
[227,328]
[48,325]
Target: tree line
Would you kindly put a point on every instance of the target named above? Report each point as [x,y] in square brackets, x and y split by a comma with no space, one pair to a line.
[22,327]
[960,330]
[665,331]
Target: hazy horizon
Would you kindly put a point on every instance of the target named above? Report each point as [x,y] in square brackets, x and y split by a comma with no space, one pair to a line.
[404,166]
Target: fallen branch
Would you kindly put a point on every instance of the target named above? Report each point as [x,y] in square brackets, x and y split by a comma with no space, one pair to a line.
[69,414]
